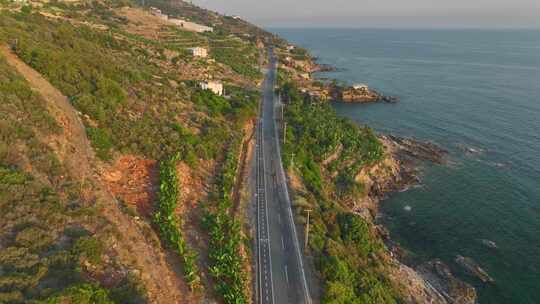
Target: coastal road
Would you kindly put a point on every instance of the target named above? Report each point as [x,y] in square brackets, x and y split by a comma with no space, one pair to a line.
[280,272]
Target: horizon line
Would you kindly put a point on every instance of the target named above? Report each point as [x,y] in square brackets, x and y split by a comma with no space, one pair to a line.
[397,28]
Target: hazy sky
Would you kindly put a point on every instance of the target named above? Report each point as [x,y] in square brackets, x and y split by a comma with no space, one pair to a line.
[382,13]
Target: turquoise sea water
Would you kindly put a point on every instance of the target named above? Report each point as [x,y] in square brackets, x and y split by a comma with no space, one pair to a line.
[462,89]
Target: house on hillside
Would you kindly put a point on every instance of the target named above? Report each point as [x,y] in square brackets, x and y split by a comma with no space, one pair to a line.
[190,26]
[157,12]
[305,76]
[212,85]
[199,52]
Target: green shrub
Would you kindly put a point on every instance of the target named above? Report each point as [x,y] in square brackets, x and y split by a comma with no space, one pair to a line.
[356,231]
[215,104]
[130,291]
[344,246]
[81,294]
[89,248]
[101,141]
[26,9]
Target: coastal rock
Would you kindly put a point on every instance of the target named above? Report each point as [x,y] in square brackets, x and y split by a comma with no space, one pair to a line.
[414,288]
[321,67]
[488,243]
[359,93]
[472,267]
[470,150]
[399,170]
[409,149]
[432,282]
[438,276]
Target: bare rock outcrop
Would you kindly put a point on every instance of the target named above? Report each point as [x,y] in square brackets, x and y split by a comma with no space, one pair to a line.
[431,282]
[472,267]
[438,275]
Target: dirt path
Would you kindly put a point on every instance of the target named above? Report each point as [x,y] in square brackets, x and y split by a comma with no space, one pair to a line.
[158,269]
[243,161]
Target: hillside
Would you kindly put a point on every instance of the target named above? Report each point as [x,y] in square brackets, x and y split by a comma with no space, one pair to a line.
[120,154]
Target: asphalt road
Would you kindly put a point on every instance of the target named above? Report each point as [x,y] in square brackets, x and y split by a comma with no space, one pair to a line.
[280,276]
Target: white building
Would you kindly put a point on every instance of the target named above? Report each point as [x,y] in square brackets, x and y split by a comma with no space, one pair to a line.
[199,52]
[305,76]
[361,87]
[157,12]
[214,86]
[190,26]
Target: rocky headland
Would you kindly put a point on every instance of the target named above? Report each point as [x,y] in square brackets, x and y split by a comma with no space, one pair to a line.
[431,281]
[302,70]
[360,93]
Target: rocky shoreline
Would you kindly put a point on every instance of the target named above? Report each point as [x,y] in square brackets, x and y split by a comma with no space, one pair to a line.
[360,94]
[302,72]
[431,281]
[409,155]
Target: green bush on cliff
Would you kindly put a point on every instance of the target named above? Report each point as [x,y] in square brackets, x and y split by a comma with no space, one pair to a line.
[215,104]
[101,141]
[315,132]
[347,253]
[81,294]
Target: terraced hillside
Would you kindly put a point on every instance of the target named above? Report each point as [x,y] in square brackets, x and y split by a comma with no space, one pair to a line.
[119,154]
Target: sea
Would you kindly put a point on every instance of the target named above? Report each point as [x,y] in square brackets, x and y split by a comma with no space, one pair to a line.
[475,93]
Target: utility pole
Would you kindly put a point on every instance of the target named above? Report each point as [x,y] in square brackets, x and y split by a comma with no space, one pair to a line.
[284,131]
[307,230]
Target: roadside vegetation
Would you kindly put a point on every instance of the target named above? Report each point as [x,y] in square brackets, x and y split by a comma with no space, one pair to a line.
[347,253]
[169,225]
[226,238]
[315,133]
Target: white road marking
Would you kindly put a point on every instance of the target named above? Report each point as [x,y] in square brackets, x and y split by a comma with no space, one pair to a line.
[265,229]
[282,243]
[286,274]
[283,178]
